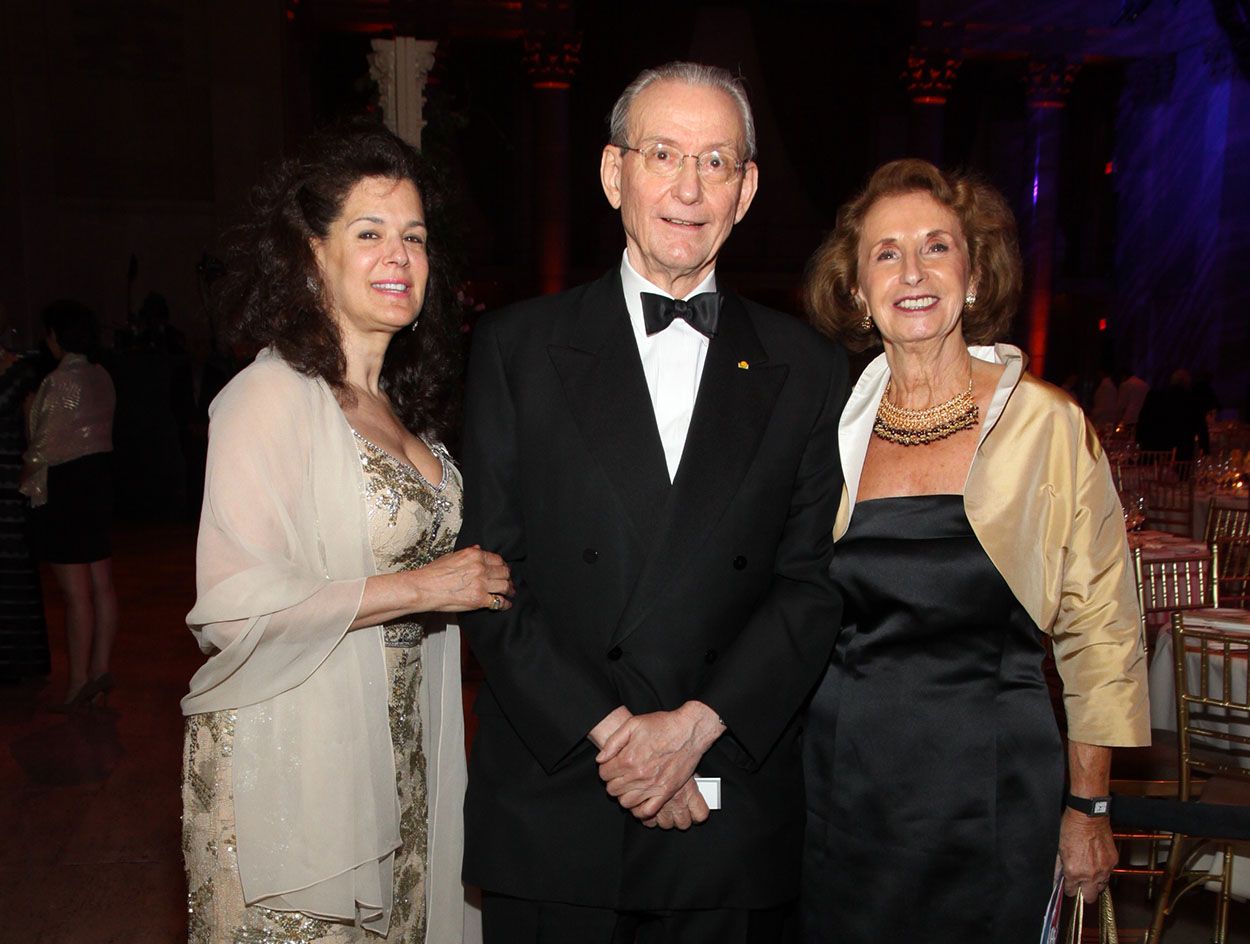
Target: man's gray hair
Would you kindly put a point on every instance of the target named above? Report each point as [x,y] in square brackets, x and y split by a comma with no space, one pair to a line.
[689,73]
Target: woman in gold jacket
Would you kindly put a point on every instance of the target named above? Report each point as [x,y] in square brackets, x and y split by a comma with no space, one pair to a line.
[979,517]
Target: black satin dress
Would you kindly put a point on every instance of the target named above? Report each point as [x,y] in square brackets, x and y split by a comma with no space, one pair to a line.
[934,765]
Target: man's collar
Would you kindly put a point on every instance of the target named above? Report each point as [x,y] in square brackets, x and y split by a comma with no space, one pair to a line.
[633,285]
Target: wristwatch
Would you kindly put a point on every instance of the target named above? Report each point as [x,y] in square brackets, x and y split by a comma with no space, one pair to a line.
[1090,806]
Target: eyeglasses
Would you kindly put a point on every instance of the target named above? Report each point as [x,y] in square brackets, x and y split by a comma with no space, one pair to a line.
[714,166]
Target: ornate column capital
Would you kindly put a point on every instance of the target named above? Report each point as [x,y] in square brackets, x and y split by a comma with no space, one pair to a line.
[1049,81]
[930,74]
[551,59]
[400,67]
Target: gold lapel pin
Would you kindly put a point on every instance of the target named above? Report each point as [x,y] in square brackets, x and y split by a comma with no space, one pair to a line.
[743,365]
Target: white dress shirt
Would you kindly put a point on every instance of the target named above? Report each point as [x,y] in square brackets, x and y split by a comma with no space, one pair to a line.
[672,361]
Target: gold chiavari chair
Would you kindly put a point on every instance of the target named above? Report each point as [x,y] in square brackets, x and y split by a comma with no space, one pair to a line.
[1163,587]
[1131,478]
[1232,575]
[1167,586]
[1170,506]
[1224,522]
[1155,456]
[1212,704]
[1134,470]
[1179,470]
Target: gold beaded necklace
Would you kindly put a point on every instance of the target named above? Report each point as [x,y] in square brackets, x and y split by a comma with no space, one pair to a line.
[920,427]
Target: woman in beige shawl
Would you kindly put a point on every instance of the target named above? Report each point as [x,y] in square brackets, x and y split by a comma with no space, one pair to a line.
[324,758]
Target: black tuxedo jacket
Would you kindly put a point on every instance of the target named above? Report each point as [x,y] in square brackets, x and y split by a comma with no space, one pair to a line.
[637,592]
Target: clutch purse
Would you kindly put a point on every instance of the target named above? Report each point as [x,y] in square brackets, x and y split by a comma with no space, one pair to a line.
[1107,933]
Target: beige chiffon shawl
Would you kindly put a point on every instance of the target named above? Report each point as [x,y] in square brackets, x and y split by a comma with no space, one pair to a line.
[281,563]
[1041,500]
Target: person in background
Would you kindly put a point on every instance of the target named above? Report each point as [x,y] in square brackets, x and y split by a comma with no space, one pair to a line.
[68,477]
[1130,396]
[1072,387]
[1205,397]
[1172,418]
[1103,411]
[979,516]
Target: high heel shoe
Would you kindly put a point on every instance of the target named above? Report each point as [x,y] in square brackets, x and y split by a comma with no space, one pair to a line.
[74,702]
[95,692]
[89,693]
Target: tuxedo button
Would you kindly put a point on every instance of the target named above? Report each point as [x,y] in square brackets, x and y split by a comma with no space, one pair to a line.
[710,656]
[614,653]
[740,563]
[590,555]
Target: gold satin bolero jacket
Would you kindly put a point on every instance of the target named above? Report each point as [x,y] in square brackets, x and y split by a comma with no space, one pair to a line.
[1041,501]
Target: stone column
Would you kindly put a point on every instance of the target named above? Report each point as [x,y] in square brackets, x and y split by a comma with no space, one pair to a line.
[551,58]
[1049,81]
[930,76]
[400,67]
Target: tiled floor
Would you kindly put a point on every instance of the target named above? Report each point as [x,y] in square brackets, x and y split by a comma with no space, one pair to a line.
[90,803]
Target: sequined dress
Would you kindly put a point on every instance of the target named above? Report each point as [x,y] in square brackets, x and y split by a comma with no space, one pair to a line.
[411,522]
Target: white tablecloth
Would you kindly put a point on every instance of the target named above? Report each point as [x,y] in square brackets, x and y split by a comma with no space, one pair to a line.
[1162,676]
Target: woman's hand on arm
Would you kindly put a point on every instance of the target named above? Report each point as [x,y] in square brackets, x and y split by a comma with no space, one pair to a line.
[1086,847]
[467,579]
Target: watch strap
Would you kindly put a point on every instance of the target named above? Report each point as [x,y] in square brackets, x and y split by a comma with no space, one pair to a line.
[1090,806]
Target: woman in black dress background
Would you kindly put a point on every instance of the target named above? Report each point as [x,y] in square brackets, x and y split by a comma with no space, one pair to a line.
[68,476]
[979,514]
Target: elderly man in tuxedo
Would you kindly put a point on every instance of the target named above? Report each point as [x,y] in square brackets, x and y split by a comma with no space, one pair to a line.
[657,460]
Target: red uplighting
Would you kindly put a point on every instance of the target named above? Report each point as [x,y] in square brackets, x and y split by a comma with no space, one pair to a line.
[1039,311]
[1102,324]
[1108,168]
[551,85]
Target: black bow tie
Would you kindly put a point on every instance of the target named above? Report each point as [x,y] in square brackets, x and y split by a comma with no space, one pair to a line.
[702,312]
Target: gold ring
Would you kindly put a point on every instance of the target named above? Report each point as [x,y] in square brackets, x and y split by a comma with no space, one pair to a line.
[496,602]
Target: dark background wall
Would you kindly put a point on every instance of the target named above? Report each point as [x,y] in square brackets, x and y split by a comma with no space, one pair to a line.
[130,128]
[134,128]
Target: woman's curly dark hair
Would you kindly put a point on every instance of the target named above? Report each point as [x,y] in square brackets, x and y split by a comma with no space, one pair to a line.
[272,293]
[988,225]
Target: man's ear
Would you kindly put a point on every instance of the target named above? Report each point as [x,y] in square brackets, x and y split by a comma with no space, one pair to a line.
[610,166]
[750,183]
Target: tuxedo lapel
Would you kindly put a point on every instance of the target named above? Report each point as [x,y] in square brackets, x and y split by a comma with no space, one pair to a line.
[735,400]
[606,390]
